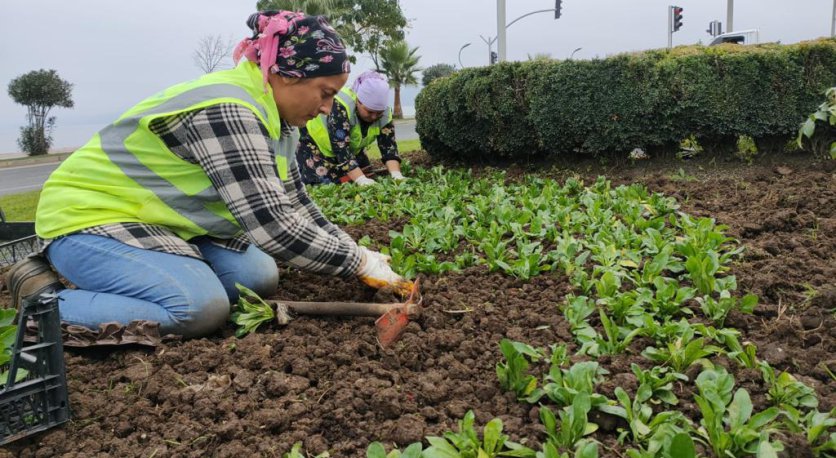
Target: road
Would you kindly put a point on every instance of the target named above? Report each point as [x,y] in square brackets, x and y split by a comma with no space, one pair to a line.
[25,178]
[30,177]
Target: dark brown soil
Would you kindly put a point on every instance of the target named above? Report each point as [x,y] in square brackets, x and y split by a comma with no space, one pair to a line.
[329,384]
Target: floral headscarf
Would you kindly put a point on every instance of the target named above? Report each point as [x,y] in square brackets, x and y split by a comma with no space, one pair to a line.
[293,45]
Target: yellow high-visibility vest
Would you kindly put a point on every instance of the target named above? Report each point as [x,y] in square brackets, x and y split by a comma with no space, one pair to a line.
[125,173]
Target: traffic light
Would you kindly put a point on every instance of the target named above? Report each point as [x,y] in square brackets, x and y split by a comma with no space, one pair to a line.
[558,4]
[494,57]
[677,18]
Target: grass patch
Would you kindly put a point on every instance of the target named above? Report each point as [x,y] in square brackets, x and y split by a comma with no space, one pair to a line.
[404,146]
[20,207]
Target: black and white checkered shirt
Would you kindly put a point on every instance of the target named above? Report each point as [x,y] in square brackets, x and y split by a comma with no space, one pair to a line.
[235,150]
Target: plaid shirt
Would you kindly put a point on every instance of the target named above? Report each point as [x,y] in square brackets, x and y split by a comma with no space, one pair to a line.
[234,149]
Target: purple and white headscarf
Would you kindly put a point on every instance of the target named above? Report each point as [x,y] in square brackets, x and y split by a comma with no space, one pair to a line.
[292,44]
[372,90]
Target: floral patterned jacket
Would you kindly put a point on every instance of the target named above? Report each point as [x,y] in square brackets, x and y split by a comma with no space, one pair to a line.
[317,168]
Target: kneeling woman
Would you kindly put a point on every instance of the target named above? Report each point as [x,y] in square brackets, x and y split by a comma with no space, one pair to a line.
[196,188]
[332,147]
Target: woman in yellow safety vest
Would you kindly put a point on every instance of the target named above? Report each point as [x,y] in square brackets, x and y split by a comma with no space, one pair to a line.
[196,189]
[332,147]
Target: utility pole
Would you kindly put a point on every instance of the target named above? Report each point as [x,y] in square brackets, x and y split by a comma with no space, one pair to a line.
[833,21]
[500,29]
[730,15]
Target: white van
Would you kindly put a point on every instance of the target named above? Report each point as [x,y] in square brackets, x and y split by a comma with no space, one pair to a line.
[742,37]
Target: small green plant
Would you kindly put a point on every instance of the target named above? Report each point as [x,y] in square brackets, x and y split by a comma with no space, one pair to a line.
[728,426]
[825,115]
[681,353]
[653,432]
[574,425]
[616,338]
[565,384]
[718,309]
[659,380]
[512,373]
[250,312]
[466,443]
[816,426]
[296,452]
[376,450]
[8,336]
[786,390]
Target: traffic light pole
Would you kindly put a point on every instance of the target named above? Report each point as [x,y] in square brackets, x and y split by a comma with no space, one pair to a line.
[670,27]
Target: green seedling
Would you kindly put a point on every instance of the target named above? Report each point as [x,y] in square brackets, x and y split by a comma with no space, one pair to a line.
[681,353]
[376,450]
[728,426]
[563,385]
[616,338]
[296,452]
[659,380]
[512,373]
[653,433]
[574,425]
[466,443]
[718,309]
[785,390]
[251,311]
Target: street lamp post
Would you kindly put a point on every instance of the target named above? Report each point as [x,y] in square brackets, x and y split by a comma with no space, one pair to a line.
[460,53]
[729,15]
[578,49]
[500,30]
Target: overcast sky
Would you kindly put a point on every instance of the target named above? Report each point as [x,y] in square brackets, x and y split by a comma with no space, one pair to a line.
[116,53]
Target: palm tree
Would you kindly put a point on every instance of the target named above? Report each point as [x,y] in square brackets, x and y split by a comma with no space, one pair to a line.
[400,65]
[311,7]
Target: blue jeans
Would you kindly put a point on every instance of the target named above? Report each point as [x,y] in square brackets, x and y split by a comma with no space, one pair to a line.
[187,296]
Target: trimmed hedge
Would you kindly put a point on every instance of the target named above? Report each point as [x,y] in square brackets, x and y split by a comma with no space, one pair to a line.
[652,99]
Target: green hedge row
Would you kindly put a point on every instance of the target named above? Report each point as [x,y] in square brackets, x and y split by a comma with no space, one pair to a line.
[652,99]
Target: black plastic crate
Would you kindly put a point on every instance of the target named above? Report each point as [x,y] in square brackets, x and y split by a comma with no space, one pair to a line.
[38,401]
[17,239]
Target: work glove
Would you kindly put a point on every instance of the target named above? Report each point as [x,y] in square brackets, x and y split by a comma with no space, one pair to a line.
[375,272]
[364,181]
[386,258]
[397,175]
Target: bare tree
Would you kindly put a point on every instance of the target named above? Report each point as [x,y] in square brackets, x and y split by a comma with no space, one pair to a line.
[211,51]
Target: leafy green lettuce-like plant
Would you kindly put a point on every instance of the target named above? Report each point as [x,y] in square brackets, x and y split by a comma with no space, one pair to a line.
[718,309]
[728,426]
[659,380]
[512,373]
[8,336]
[681,353]
[681,446]
[296,452]
[815,426]
[376,450]
[616,338]
[785,390]
[653,432]
[574,425]
[826,115]
[250,312]
[466,443]
[565,384]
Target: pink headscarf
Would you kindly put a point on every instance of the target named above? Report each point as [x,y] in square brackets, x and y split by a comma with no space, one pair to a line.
[294,45]
[372,90]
